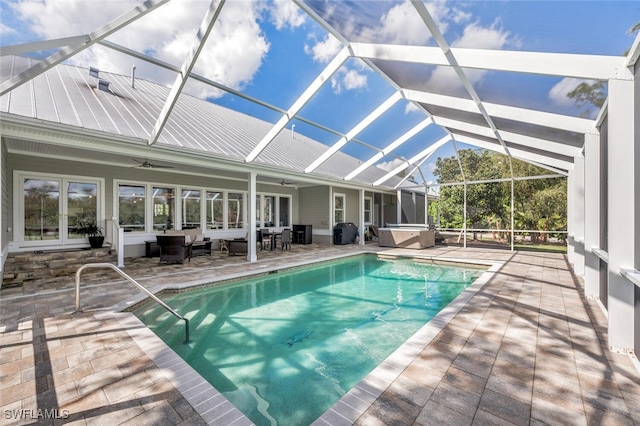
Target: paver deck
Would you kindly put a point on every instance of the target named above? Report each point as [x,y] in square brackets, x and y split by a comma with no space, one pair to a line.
[526,348]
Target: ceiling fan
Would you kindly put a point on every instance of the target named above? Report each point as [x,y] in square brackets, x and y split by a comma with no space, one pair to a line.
[146,164]
[287,183]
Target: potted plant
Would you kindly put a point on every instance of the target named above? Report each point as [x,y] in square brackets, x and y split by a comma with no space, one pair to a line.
[89,228]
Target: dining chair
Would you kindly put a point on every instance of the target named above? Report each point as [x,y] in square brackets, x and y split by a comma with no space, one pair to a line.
[285,239]
[264,237]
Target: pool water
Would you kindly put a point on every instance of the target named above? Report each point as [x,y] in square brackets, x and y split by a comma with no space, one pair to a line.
[284,347]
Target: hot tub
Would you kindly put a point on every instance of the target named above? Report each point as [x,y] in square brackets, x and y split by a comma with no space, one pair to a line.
[414,238]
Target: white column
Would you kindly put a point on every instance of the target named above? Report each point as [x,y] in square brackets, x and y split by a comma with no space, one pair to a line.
[361,216]
[331,214]
[513,214]
[570,217]
[464,217]
[578,231]
[592,215]
[2,234]
[252,255]
[399,206]
[624,202]
[426,205]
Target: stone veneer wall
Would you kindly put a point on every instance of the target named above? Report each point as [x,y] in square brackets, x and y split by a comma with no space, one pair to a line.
[36,267]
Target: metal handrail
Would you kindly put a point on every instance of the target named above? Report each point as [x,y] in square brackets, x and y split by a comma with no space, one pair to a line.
[131,280]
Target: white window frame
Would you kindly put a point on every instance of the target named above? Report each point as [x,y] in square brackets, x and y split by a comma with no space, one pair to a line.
[370,210]
[148,229]
[18,207]
[276,206]
[344,206]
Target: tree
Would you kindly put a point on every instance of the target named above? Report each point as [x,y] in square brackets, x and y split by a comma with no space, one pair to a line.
[589,95]
[593,95]
[540,204]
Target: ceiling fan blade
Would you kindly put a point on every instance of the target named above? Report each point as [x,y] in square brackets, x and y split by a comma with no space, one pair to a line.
[148,165]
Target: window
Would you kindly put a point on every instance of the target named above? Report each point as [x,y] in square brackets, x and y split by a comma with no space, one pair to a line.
[258,211]
[164,207]
[234,210]
[268,212]
[41,209]
[131,207]
[368,202]
[82,205]
[215,210]
[284,211]
[338,208]
[273,210]
[190,208]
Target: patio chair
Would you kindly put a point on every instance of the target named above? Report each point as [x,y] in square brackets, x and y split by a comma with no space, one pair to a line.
[285,239]
[264,236]
[237,246]
[173,248]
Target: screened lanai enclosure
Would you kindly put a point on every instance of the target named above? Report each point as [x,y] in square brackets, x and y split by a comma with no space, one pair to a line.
[234,115]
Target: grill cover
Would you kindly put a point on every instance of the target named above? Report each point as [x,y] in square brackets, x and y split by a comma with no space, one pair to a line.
[344,233]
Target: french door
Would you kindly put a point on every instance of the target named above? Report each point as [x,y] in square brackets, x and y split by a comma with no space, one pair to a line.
[52,207]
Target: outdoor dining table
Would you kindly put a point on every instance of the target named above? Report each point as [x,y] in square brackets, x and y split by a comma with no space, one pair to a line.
[273,235]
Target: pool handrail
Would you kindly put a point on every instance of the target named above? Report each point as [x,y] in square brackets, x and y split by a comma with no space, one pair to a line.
[131,280]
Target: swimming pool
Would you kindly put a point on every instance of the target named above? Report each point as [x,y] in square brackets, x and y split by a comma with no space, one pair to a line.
[283,348]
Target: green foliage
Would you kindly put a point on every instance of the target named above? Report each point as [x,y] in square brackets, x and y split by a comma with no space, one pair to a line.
[588,95]
[88,226]
[540,204]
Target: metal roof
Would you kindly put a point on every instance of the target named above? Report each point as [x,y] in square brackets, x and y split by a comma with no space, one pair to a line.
[68,95]
[465,111]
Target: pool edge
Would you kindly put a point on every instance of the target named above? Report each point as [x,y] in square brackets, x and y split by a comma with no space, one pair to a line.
[202,395]
[359,399]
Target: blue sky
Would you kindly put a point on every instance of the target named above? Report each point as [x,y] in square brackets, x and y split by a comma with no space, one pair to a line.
[272,51]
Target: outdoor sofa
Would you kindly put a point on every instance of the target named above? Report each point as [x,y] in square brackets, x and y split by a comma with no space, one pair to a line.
[174,248]
[201,245]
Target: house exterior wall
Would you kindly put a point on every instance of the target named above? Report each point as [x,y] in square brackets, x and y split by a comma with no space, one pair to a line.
[134,244]
[314,209]
[6,213]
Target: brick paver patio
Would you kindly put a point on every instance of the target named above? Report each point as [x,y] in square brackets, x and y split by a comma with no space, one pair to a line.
[526,348]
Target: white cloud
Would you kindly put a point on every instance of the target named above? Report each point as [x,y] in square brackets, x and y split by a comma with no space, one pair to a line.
[410,107]
[286,13]
[62,18]
[460,16]
[232,55]
[477,37]
[558,93]
[348,79]
[401,25]
[390,165]
[354,80]
[6,30]
[324,51]
[430,167]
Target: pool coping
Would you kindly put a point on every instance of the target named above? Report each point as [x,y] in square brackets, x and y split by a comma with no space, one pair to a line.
[216,409]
